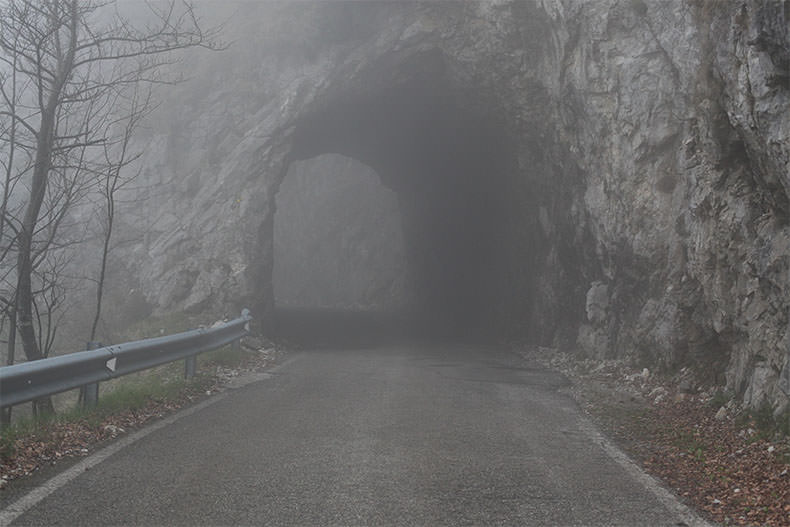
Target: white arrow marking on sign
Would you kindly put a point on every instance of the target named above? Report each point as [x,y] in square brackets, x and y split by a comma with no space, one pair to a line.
[111,364]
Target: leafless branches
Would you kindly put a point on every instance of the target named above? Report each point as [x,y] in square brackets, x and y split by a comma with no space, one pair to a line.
[75,81]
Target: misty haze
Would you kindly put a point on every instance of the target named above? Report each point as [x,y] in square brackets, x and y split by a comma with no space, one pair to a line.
[496,262]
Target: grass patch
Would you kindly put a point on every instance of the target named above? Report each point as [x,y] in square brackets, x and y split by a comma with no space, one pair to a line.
[26,427]
[227,356]
[137,393]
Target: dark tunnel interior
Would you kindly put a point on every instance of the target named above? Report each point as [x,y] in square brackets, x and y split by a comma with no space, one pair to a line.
[452,168]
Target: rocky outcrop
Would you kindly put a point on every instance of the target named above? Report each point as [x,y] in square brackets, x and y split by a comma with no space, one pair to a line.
[687,184]
[609,175]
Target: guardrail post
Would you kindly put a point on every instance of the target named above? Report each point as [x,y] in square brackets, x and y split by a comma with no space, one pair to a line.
[236,344]
[190,365]
[91,395]
[90,392]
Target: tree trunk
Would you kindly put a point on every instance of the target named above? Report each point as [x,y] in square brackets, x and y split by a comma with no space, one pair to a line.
[24,302]
[25,315]
[24,265]
[5,417]
[102,273]
[11,355]
[38,188]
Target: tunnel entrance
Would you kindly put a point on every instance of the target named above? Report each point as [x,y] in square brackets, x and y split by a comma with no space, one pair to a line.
[339,262]
[448,156]
[338,241]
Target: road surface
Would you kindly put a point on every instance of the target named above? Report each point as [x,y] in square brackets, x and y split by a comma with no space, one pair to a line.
[397,435]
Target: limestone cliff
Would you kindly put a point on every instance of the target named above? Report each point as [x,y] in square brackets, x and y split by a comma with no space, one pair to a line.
[611,175]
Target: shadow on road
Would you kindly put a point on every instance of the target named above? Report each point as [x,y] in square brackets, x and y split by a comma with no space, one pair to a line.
[347,328]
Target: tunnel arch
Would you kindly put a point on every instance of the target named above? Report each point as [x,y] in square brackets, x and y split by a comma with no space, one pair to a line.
[447,150]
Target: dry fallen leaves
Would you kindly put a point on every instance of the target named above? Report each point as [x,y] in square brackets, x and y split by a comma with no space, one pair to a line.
[724,467]
[736,478]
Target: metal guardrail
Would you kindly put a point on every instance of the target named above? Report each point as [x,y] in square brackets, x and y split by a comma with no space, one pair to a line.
[30,380]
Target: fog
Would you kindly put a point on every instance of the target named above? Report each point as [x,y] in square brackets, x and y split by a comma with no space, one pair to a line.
[475,238]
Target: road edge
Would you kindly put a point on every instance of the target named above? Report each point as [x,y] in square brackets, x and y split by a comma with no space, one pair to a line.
[29,500]
[688,515]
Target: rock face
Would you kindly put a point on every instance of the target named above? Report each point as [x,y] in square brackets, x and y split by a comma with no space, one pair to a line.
[611,175]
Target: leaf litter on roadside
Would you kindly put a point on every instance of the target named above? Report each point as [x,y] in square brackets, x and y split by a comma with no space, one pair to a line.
[718,461]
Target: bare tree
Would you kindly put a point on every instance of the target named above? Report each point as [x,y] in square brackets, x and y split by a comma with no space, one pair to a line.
[16,162]
[67,66]
[113,180]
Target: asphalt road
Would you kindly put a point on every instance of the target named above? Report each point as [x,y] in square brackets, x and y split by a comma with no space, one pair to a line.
[400,435]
